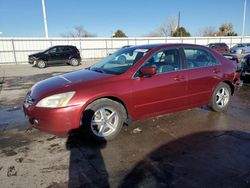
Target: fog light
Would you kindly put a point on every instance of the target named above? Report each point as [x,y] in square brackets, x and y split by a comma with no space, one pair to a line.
[34,122]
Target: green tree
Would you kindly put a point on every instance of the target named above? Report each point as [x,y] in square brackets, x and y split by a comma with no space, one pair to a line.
[119,33]
[181,32]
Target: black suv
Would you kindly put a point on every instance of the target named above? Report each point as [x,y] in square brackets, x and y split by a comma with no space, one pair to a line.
[56,55]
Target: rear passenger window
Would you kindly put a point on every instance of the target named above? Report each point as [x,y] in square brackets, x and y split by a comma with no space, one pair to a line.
[65,49]
[195,58]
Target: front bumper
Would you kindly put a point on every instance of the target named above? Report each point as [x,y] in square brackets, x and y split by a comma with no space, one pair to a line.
[58,121]
[31,62]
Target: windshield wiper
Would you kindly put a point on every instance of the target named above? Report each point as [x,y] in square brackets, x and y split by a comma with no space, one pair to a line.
[98,70]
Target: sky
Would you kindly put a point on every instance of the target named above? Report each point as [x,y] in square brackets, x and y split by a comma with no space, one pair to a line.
[24,18]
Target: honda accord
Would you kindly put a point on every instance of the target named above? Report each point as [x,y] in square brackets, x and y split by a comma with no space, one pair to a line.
[148,80]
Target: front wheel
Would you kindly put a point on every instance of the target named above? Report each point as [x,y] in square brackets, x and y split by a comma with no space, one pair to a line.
[41,64]
[103,119]
[220,98]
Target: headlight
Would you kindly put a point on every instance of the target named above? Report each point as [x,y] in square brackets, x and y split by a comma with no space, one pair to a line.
[56,101]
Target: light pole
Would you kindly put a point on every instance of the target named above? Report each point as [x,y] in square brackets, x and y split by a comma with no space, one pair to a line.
[244,19]
[45,20]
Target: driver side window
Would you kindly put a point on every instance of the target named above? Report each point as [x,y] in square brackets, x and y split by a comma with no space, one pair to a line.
[54,50]
[165,61]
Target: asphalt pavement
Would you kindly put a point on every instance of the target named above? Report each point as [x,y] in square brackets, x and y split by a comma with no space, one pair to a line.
[192,148]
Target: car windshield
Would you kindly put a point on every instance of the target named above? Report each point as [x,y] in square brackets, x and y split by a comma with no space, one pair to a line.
[120,61]
[47,49]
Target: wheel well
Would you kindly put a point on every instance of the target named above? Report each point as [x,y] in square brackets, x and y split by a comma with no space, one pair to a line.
[113,99]
[231,86]
[41,58]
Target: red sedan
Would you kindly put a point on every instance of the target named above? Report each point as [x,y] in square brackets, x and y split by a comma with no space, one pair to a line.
[134,83]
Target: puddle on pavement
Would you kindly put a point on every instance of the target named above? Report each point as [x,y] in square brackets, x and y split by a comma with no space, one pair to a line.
[12,116]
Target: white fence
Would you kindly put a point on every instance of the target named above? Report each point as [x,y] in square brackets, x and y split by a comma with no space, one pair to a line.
[16,50]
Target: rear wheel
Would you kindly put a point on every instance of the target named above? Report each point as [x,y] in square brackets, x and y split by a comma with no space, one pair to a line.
[220,98]
[41,64]
[103,119]
[74,62]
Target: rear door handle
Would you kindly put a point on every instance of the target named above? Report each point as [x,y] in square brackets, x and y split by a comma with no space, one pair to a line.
[179,77]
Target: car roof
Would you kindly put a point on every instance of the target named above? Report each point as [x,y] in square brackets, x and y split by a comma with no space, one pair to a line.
[62,46]
[152,46]
[216,43]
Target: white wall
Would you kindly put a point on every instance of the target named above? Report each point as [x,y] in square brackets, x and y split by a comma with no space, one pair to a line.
[16,50]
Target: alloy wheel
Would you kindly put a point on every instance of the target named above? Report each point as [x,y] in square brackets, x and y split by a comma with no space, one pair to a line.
[222,97]
[104,122]
[74,62]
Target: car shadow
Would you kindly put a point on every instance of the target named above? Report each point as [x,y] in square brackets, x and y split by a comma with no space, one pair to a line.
[206,159]
[86,165]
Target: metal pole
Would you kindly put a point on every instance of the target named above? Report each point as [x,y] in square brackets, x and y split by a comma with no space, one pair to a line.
[45,20]
[244,19]
[14,50]
[106,45]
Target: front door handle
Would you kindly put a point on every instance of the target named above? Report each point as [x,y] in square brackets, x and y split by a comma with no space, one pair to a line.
[216,71]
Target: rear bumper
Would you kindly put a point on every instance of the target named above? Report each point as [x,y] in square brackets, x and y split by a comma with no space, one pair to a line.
[237,82]
[58,121]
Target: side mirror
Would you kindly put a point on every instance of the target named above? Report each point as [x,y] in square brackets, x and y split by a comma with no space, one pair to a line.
[148,71]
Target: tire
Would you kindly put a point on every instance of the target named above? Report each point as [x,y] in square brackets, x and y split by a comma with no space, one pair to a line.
[41,64]
[74,62]
[103,119]
[220,98]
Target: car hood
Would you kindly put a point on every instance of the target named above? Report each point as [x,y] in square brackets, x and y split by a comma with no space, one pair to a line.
[236,48]
[64,83]
[36,54]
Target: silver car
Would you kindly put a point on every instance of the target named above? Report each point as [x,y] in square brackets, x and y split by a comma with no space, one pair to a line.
[241,48]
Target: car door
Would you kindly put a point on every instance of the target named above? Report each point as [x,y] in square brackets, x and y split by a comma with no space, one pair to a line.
[51,57]
[163,92]
[54,55]
[65,53]
[59,55]
[203,74]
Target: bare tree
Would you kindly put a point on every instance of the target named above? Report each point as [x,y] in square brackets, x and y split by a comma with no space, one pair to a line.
[162,30]
[153,34]
[172,25]
[165,29]
[79,31]
[208,32]
[225,29]
[168,28]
